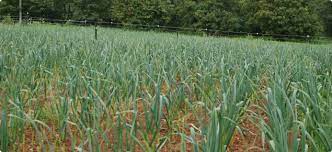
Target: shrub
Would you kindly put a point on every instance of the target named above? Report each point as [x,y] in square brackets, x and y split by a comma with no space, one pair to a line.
[7,20]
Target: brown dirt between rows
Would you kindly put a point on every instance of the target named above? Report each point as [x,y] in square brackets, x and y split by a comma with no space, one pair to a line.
[252,136]
[239,143]
[251,140]
[31,144]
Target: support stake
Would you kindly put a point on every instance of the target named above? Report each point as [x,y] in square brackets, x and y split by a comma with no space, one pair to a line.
[96,32]
[20,11]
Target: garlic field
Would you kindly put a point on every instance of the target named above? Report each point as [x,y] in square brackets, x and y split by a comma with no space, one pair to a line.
[63,90]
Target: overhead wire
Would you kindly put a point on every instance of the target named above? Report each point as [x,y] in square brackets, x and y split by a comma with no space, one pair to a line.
[173,28]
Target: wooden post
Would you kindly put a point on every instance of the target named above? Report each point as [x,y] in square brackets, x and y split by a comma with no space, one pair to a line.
[20,11]
[96,32]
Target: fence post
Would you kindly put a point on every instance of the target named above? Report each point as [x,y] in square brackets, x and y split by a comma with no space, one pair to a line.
[20,11]
[96,32]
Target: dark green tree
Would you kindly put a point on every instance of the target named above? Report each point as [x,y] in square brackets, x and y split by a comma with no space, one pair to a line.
[217,14]
[38,8]
[294,17]
[91,9]
[324,8]
[300,17]
[147,12]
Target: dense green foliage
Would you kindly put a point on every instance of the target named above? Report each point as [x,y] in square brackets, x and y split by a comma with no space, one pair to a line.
[127,91]
[284,17]
[301,17]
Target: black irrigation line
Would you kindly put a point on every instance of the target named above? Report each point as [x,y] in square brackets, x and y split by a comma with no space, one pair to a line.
[170,28]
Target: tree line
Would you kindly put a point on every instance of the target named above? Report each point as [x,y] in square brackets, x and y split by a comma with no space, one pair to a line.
[296,17]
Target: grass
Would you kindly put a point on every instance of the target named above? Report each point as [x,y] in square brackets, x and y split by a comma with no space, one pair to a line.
[62,90]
